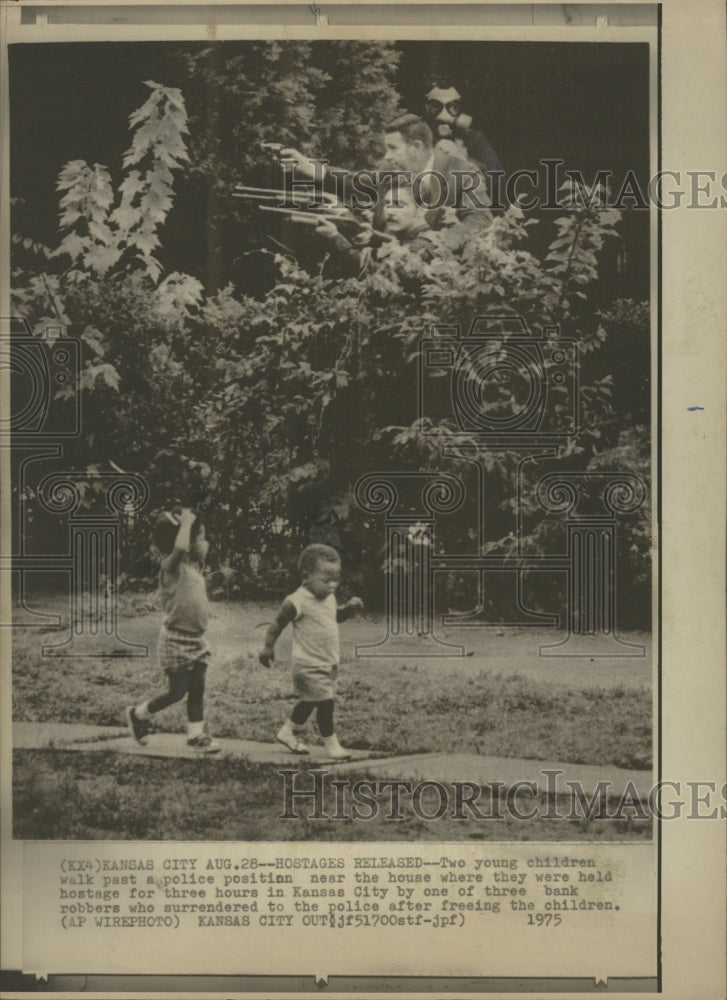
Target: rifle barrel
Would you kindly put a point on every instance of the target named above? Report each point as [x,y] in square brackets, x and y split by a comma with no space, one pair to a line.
[270,194]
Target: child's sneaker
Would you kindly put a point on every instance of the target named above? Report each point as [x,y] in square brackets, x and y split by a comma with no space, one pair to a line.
[139,728]
[287,737]
[334,750]
[203,743]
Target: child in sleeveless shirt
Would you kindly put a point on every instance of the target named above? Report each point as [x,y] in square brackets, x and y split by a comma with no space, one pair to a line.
[314,615]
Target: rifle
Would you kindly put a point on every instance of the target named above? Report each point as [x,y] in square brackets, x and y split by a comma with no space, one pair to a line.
[284,198]
[339,215]
[309,208]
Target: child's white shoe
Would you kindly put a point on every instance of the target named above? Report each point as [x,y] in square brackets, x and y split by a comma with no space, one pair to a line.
[334,750]
[204,744]
[287,737]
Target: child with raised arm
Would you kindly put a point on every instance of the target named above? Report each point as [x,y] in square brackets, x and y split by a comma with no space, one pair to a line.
[314,615]
[183,648]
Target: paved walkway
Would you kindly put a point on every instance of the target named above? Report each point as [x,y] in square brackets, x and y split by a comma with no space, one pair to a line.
[39,735]
[442,767]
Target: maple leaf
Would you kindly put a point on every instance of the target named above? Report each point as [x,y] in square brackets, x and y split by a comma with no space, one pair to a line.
[95,340]
[100,258]
[103,371]
[178,292]
[72,244]
[145,241]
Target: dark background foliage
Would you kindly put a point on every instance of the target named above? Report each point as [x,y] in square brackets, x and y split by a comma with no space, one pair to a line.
[269,388]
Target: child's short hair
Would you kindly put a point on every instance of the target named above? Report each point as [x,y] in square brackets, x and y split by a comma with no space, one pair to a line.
[166,531]
[313,554]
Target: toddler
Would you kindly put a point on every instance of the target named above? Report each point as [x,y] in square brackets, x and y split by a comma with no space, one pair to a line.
[314,615]
[183,648]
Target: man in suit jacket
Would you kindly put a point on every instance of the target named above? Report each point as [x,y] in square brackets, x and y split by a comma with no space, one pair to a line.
[439,178]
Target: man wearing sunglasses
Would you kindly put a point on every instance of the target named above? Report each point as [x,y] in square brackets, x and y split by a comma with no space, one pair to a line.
[453,131]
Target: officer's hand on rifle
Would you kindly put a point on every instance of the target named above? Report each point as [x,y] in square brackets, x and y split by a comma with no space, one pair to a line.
[327,229]
[363,237]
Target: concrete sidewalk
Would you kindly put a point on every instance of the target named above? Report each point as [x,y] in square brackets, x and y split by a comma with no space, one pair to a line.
[441,767]
[65,736]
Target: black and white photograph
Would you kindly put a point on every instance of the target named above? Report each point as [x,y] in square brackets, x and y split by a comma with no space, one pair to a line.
[430,423]
[333,482]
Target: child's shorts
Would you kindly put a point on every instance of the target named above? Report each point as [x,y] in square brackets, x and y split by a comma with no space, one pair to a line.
[178,652]
[314,682]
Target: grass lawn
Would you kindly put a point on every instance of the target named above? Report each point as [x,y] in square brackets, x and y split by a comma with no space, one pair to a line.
[502,700]
[67,795]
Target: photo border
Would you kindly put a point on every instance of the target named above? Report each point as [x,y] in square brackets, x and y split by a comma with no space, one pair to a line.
[22,982]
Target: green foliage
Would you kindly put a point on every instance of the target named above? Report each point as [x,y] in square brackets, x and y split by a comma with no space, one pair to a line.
[100,237]
[109,292]
[327,98]
[275,407]
[357,101]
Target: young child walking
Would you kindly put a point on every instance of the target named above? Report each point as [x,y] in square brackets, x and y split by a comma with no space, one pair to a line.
[314,615]
[183,648]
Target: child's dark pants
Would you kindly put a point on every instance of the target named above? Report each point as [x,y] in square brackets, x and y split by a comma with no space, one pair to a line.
[181,682]
[324,715]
